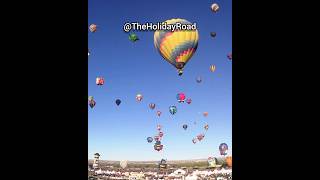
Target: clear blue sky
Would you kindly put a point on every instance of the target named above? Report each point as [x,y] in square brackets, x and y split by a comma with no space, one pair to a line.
[120,132]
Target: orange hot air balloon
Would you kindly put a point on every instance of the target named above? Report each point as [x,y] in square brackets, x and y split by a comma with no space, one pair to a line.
[205,114]
[229,161]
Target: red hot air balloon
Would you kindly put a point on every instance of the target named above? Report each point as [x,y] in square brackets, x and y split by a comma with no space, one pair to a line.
[159,113]
[205,114]
[181,97]
[99,81]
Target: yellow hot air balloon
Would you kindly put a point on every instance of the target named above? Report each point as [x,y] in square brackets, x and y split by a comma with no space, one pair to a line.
[176,47]
[212,68]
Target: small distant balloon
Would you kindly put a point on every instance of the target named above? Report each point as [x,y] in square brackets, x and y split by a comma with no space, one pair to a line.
[133,37]
[100,81]
[185,127]
[118,102]
[223,148]
[158,147]
[200,137]
[152,106]
[93,28]
[199,79]
[213,34]
[92,103]
[157,139]
[205,114]
[139,97]
[149,139]
[123,164]
[181,97]
[173,110]
[194,140]
[206,127]
[229,56]
[215,7]
[189,101]
[160,134]
[90,98]
[212,68]
[88,52]
[158,113]
[159,127]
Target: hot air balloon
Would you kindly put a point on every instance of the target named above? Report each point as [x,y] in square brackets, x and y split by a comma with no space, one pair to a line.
[123,164]
[212,68]
[200,137]
[229,56]
[88,52]
[205,114]
[199,79]
[185,127]
[149,139]
[181,97]
[215,7]
[173,109]
[194,140]
[157,138]
[177,47]
[158,146]
[158,113]
[159,127]
[133,37]
[160,134]
[139,97]
[206,127]
[152,106]
[223,148]
[99,81]
[229,161]
[189,101]
[118,102]
[213,34]
[90,98]
[92,103]
[93,28]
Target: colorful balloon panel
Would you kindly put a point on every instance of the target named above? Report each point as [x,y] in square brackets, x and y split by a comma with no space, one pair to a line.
[176,47]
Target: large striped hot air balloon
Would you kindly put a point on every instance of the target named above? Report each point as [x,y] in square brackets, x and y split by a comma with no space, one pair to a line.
[176,47]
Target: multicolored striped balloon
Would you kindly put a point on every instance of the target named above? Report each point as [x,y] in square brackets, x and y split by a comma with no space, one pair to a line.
[176,47]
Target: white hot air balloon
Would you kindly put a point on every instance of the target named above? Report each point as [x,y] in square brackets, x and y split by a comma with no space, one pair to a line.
[123,164]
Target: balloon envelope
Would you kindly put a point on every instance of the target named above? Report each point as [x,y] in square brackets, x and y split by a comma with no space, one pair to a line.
[93,28]
[118,102]
[213,34]
[123,164]
[181,97]
[212,68]
[152,106]
[176,47]
[185,127]
[189,101]
[215,7]
[158,113]
[223,147]
[173,109]
[139,97]
[149,139]
[199,79]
